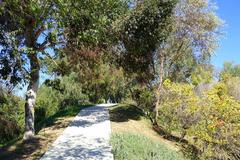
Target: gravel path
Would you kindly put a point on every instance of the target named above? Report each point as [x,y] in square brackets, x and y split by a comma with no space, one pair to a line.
[86,138]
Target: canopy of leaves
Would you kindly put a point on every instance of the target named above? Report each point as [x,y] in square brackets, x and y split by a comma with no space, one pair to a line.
[141,31]
[88,22]
[17,20]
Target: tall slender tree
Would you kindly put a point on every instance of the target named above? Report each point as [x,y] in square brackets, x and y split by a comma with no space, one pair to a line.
[194,37]
[146,27]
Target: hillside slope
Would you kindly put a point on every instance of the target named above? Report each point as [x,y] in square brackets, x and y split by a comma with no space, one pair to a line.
[134,138]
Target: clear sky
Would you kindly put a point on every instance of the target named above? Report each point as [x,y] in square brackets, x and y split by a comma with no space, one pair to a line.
[229,49]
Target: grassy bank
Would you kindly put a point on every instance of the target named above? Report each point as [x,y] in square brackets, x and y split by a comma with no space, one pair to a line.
[133,137]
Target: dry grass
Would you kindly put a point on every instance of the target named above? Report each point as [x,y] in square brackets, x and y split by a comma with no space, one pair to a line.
[129,119]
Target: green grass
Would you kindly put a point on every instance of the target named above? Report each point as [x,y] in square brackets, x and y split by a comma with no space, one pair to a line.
[126,146]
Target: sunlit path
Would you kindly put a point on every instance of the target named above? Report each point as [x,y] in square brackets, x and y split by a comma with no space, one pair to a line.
[87,137]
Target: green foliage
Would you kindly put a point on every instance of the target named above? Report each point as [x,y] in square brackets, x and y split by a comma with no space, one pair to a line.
[48,103]
[142,30]
[180,69]
[58,94]
[72,89]
[89,22]
[138,147]
[11,116]
[100,79]
[22,23]
[144,97]
[60,97]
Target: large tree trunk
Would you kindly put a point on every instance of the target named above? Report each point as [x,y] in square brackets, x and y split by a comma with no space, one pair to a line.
[159,89]
[34,79]
[31,97]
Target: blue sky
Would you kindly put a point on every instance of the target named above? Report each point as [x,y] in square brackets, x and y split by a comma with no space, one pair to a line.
[229,46]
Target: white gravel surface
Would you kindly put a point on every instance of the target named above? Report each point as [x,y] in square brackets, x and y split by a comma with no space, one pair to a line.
[86,138]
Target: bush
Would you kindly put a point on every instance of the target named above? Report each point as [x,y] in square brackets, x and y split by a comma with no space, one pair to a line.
[58,94]
[138,147]
[53,96]
[218,131]
[211,120]
[178,111]
[48,102]
[143,97]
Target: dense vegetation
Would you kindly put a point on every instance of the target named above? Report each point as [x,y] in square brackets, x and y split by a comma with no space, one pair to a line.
[154,54]
[50,102]
[11,116]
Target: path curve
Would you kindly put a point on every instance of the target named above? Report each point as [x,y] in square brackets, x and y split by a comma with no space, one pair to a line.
[86,137]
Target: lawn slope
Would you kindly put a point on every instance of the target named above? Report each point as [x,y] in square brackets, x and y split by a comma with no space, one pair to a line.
[134,139]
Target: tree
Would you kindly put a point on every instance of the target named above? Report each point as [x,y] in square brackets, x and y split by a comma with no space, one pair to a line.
[34,33]
[145,28]
[191,39]
[142,29]
[89,43]
[28,32]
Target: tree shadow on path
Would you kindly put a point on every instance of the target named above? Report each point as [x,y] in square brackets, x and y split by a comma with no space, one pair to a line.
[125,113]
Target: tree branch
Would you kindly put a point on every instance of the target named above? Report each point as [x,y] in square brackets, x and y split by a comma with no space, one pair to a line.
[39,31]
[42,46]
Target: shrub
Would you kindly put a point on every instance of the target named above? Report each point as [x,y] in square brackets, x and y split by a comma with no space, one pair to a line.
[58,94]
[143,98]
[179,107]
[218,131]
[55,95]
[48,101]
[11,116]
[137,147]
[211,120]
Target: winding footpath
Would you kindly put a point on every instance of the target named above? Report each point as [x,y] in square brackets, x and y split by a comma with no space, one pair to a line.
[86,137]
